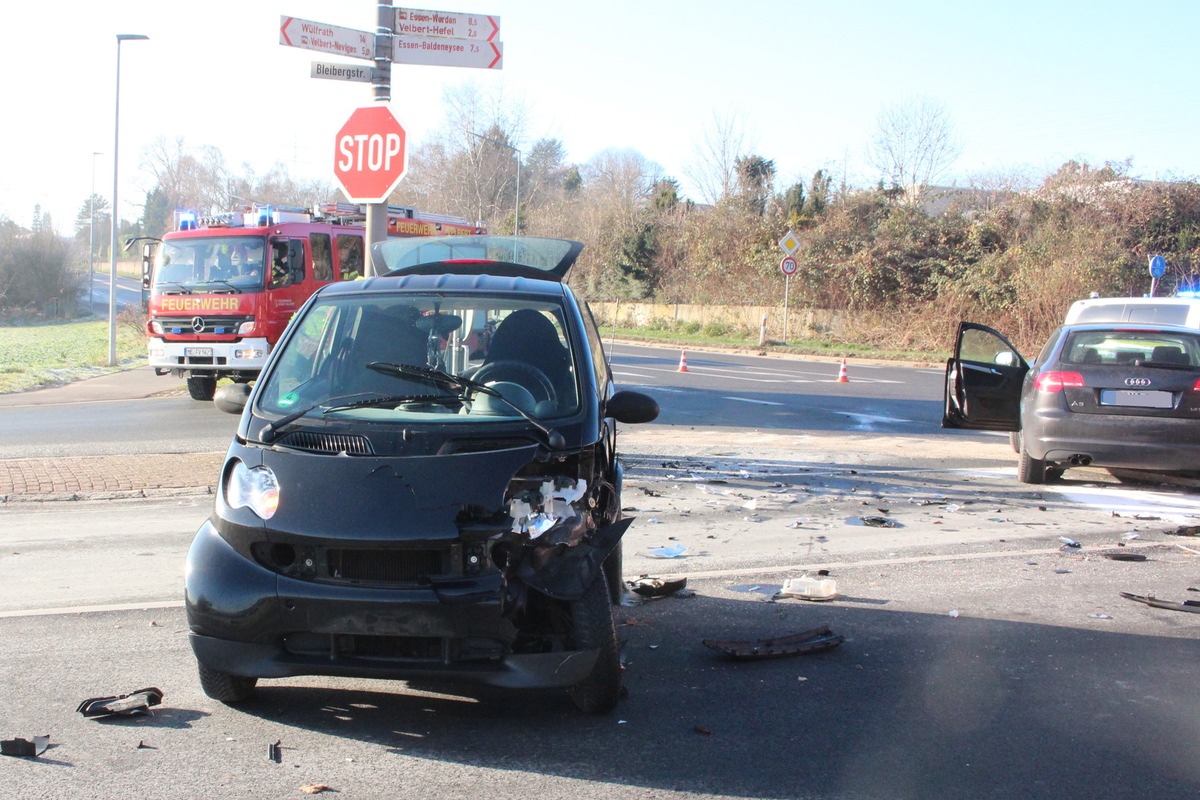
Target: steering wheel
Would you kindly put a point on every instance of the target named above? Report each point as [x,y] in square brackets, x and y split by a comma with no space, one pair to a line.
[521,373]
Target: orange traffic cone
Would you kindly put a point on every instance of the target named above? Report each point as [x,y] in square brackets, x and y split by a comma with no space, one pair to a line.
[842,373]
[683,361]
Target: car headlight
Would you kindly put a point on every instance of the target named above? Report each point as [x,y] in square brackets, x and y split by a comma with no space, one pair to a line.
[246,328]
[253,487]
[156,327]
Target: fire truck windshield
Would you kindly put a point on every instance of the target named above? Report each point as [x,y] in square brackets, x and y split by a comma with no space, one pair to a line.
[210,264]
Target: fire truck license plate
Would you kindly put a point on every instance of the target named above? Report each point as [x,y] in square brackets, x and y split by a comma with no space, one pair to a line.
[198,352]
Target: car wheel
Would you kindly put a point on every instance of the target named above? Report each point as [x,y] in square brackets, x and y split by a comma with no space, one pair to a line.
[1014,439]
[594,626]
[225,687]
[1029,469]
[613,571]
[202,387]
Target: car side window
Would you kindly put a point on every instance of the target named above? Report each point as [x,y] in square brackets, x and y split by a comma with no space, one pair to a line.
[596,345]
[322,256]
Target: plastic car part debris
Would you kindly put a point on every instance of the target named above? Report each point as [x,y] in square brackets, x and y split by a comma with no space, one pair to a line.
[1186,530]
[879,522]
[811,641]
[1119,555]
[24,747]
[315,788]
[809,588]
[275,751]
[674,551]
[1069,542]
[136,702]
[1187,605]
[657,587]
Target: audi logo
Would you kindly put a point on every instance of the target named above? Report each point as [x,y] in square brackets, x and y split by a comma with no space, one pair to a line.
[1137,381]
[198,326]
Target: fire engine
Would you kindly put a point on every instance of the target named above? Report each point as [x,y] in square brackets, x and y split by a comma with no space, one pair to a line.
[222,288]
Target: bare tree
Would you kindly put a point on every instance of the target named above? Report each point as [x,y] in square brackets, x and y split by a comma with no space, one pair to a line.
[913,145]
[714,173]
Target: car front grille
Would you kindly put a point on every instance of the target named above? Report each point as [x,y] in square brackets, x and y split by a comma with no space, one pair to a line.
[387,567]
[328,443]
[202,326]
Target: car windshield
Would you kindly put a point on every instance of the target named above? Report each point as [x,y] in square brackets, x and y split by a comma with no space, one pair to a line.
[413,358]
[210,263]
[1129,347]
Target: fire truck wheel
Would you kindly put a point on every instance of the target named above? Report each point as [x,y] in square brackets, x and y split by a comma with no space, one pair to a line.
[202,387]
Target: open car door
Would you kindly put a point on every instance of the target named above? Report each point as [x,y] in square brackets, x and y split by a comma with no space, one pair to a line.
[983,381]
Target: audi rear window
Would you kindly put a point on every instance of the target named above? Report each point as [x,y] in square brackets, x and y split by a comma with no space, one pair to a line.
[1128,347]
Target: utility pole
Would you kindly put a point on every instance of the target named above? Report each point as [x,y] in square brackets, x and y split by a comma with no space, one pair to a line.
[377,213]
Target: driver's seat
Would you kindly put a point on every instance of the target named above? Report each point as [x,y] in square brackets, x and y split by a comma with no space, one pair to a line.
[527,335]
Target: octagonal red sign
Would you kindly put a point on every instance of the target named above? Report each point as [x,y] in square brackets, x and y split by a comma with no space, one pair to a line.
[370,154]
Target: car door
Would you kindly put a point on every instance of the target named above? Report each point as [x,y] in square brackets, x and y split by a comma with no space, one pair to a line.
[983,381]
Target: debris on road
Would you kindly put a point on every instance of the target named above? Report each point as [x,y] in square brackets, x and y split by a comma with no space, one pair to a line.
[647,586]
[811,641]
[275,751]
[808,588]
[1186,530]
[24,748]
[1069,542]
[1121,555]
[674,551]
[1187,605]
[879,522]
[136,702]
[315,788]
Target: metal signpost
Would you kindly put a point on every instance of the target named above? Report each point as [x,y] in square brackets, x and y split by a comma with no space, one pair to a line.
[402,36]
[789,244]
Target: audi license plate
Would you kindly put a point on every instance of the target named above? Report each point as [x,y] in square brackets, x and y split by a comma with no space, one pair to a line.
[198,352]
[1124,397]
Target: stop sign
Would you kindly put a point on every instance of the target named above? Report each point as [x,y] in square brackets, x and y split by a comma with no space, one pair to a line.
[370,155]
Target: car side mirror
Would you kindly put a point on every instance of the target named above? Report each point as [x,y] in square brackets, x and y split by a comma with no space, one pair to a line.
[631,407]
[232,397]
[1006,359]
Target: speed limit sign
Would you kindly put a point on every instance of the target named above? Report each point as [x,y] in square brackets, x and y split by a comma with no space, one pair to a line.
[787,265]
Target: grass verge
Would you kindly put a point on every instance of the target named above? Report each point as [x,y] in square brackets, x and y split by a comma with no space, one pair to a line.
[37,354]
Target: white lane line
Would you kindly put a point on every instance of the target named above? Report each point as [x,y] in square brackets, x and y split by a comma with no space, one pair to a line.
[756,402]
[46,612]
[631,374]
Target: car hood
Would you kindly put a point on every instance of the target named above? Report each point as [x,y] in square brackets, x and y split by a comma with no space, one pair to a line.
[409,498]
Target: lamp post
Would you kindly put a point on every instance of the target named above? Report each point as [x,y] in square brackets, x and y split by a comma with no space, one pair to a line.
[92,214]
[112,275]
[517,213]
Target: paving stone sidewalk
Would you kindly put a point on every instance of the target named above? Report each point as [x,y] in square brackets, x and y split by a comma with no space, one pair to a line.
[108,477]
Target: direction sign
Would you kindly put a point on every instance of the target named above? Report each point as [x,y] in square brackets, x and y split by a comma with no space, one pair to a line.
[370,154]
[342,72]
[418,22]
[435,51]
[789,243]
[788,265]
[1158,266]
[326,38]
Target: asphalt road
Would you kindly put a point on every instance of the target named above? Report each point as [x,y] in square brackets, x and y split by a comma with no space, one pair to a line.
[983,656]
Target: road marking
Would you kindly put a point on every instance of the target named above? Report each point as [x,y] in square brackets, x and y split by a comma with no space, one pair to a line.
[757,402]
[47,612]
[866,422]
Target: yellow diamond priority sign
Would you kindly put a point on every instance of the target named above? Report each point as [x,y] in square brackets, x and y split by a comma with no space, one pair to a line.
[789,243]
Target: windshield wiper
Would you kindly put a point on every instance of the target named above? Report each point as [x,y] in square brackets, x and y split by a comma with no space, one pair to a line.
[270,431]
[439,378]
[235,289]
[182,289]
[440,399]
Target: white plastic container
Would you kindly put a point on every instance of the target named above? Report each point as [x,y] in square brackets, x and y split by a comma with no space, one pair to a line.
[808,588]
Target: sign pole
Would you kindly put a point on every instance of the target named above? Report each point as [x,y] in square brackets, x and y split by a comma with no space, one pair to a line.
[385,21]
[786,280]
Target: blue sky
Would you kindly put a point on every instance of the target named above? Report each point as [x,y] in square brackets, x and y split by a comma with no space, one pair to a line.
[1027,85]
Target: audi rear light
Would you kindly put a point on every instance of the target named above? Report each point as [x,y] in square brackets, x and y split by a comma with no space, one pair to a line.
[1057,381]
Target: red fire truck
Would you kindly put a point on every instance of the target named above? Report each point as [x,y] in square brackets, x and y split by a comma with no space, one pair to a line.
[222,288]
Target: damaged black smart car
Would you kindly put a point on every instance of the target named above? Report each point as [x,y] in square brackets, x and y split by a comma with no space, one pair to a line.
[424,485]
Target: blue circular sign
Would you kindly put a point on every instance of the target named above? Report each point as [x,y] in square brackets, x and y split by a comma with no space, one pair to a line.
[1158,266]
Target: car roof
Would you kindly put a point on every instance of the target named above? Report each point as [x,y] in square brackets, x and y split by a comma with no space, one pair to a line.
[530,257]
[1132,327]
[451,283]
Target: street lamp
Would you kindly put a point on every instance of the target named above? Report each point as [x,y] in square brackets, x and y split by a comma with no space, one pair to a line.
[112,248]
[517,213]
[92,232]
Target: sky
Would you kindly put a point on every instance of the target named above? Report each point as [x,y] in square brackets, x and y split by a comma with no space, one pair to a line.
[1027,86]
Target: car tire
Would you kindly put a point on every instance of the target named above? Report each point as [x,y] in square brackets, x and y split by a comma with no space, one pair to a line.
[202,387]
[225,687]
[595,627]
[613,574]
[1014,439]
[1029,469]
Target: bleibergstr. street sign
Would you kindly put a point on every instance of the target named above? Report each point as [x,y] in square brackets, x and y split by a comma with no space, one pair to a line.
[326,38]
[342,72]
[435,51]
[419,22]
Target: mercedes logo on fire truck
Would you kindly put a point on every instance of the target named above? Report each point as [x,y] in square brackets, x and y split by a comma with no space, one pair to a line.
[1137,381]
[198,324]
